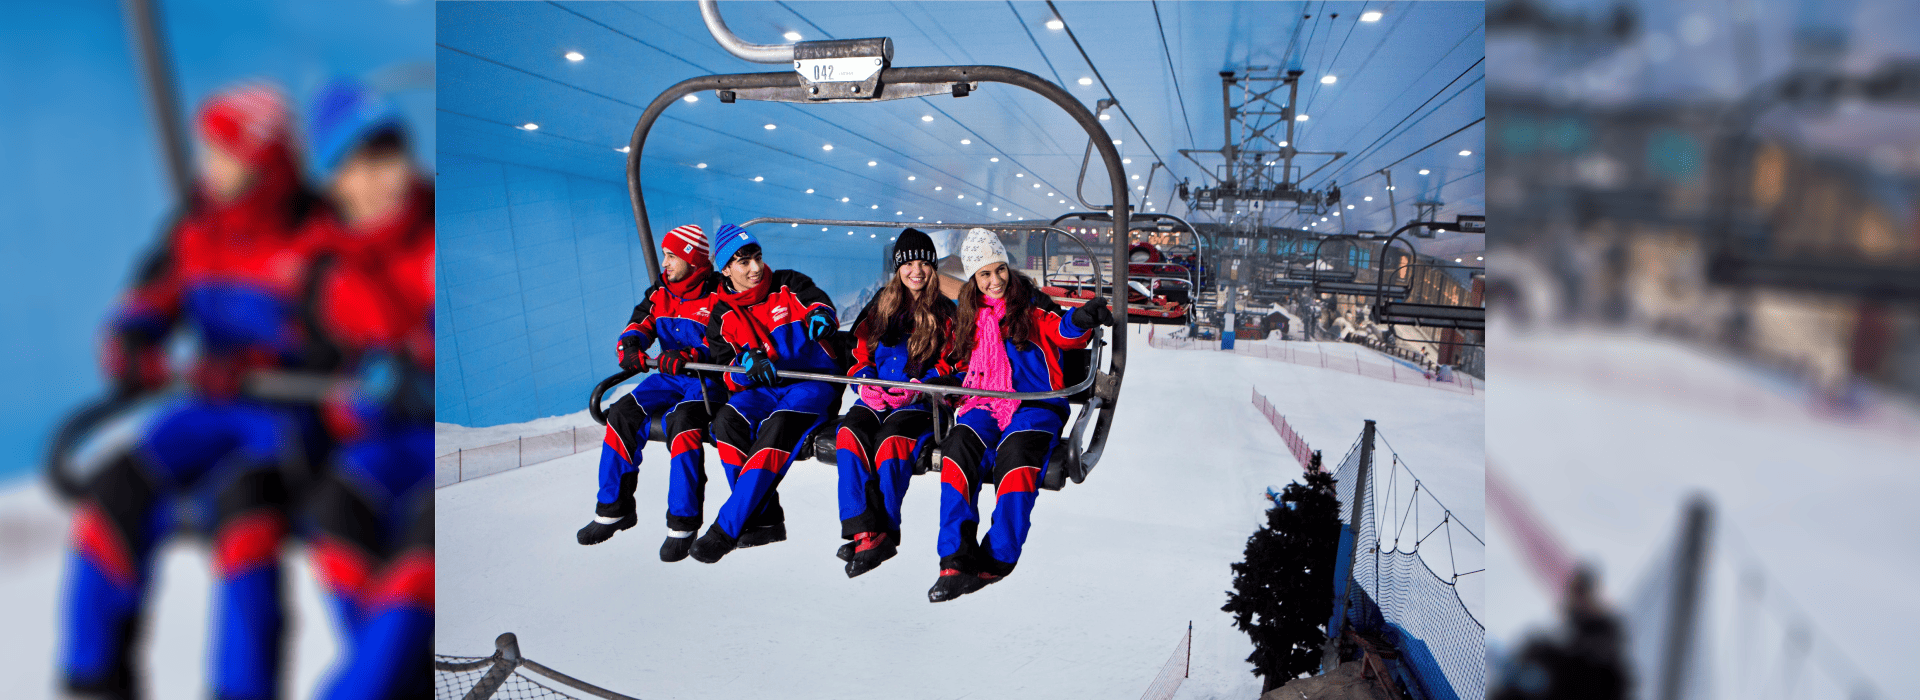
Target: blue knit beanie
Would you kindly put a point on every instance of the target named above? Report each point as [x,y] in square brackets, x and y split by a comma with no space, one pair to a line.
[727,240]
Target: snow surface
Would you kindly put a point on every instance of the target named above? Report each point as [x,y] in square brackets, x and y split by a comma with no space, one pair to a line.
[1113,571]
[33,539]
[1607,435]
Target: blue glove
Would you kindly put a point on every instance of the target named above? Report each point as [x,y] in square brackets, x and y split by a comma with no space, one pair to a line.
[758,368]
[820,324]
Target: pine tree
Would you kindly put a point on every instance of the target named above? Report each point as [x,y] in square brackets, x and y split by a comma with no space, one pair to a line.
[1283,592]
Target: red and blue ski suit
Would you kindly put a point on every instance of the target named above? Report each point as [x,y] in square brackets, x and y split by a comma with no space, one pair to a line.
[878,447]
[678,323]
[761,427]
[1013,457]
[373,512]
[234,274]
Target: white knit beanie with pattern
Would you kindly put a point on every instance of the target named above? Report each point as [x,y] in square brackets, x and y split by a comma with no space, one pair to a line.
[981,249]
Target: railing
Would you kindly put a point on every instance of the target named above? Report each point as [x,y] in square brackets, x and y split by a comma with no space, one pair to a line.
[474,462]
[1295,444]
[499,676]
[1176,670]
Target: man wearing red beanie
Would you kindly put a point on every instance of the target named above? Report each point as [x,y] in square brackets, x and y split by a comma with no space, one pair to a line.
[675,312]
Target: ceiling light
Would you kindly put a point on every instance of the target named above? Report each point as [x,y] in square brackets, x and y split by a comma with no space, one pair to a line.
[1049,194]
[976,202]
[796,226]
[823,228]
[1336,213]
[926,117]
[910,177]
[873,235]
[1349,206]
[575,56]
[995,159]
[923,218]
[936,188]
[1424,171]
[791,36]
[1328,80]
[996,208]
[1086,81]
[1142,187]
[1283,144]
[1019,174]
[959,196]
[702,165]
[1136,177]
[1063,201]
[876,206]
[809,190]
[937,222]
[1466,153]
[1367,198]
[897,213]
[529,126]
[849,233]
[758,178]
[1105,117]
[1323,218]
[1116,142]
[1389,188]
[1370,16]
[1055,24]
[1480,258]
[1301,118]
[872,163]
[1126,161]
[771,127]
[691,98]
[624,149]
[1036,185]
[843,199]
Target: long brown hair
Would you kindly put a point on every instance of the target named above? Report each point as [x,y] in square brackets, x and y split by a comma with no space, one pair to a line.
[896,303]
[1016,326]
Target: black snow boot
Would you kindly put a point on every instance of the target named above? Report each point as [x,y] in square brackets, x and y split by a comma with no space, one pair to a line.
[757,535]
[713,545]
[871,548]
[954,583]
[596,532]
[676,548]
[845,552]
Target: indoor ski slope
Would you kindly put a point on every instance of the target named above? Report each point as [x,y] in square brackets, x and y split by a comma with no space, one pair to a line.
[1606,435]
[1112,573]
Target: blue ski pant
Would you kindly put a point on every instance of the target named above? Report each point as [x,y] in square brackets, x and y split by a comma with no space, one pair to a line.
[757,434]
[228,462]
[876,454]
[1014,459]
[684,407]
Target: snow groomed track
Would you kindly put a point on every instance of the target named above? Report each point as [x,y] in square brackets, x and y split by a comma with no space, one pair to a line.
[1113,572]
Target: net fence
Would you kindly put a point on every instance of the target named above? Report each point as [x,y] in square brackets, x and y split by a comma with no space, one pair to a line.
[475,462]
[1392,591]
[1312,355]
[504,676]
[1175,670]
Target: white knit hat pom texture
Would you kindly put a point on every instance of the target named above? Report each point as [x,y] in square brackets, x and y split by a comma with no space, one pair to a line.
[981,249]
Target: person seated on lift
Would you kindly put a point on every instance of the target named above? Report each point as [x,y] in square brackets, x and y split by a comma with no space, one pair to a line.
[675,312]
[767,322]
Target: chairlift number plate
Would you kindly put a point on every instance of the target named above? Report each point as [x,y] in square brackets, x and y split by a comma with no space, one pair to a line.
[837,70]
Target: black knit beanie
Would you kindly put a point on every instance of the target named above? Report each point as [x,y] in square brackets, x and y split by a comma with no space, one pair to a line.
[913,245]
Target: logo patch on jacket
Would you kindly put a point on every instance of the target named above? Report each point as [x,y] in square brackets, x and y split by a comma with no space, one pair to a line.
[779,313]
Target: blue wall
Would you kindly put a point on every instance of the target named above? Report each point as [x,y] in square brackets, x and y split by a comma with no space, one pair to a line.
[538,272]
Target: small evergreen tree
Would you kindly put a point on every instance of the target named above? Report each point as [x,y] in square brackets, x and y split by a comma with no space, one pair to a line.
[1283,593]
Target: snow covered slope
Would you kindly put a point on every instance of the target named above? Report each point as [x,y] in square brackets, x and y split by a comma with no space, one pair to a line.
[1112,573]
[33,561]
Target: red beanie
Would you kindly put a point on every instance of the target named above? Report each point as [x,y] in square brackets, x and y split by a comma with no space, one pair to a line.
[246,121]
[688,243]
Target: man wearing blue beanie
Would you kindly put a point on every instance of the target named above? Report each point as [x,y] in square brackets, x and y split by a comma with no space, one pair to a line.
[765,321]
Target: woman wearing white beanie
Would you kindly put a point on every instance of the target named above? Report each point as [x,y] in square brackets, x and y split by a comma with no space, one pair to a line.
[1009,337]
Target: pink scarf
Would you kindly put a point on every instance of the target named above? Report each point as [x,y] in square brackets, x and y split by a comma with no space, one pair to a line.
[988,367]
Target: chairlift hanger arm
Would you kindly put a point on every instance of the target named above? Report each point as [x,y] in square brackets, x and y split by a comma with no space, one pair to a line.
[757,53]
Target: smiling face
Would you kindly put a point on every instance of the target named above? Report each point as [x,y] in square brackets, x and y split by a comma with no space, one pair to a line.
[745,270]
[372,183]
[225,175]
[916,274]
[992,280]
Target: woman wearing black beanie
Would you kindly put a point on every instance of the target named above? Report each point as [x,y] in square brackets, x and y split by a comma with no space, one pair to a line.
[902,335]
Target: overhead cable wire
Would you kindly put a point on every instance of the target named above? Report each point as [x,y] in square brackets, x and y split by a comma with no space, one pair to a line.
[1103,83]
[1177,92]
[1364,152]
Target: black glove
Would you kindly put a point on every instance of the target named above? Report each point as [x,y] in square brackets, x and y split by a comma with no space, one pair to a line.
[675,361]
[944,380]
[820,324]
[1093,313]
[758,368]
[631,355]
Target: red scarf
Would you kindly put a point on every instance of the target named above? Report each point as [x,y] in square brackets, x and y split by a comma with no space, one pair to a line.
[743,300]
[685,288]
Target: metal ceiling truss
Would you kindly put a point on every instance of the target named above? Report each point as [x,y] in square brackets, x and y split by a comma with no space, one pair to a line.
[1258,168]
